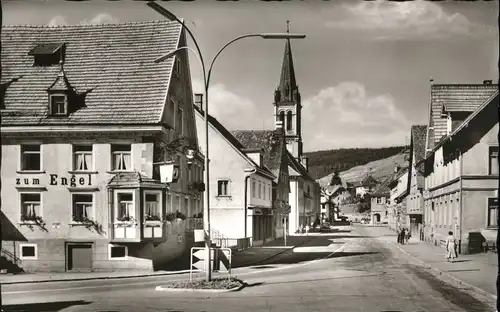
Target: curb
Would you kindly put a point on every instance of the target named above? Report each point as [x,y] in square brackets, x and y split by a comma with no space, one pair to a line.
[94,278]
[162,288]
[456,280]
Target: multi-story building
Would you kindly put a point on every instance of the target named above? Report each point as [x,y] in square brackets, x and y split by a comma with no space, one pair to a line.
[415,200]
[398,186]
[87,116]
[461,164]
[379,204]
[241,197]
[305,192]
[365,186]
[272,144]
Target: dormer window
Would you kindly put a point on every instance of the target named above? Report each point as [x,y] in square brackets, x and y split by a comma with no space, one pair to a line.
[48,54]
[58,105]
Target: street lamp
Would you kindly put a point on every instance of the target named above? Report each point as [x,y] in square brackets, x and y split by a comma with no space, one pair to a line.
[206,80]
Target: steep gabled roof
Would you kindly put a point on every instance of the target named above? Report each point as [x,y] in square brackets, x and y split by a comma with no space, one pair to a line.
[418,133]
[116,61]
[384,188]
[288,82]
[455,97]
[490,102]
[232,140]
[265,139]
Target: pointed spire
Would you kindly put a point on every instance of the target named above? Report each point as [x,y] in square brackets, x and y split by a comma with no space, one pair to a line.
[287,83]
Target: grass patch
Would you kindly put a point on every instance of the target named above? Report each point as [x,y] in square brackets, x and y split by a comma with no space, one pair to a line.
[215,283]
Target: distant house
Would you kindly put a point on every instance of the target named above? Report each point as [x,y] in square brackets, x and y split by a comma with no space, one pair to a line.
[241,203]
[415,202]
[367,185]
[396,186]
[380,201]
[461,165]
[330,201]
[86,117]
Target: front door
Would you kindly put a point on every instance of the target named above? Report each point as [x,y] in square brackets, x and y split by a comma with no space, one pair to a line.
[79,257]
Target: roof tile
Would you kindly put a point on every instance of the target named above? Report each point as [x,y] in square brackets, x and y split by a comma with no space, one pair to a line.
[116,61]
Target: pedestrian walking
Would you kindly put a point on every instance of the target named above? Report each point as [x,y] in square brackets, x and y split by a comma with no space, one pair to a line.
[402,236]
[451,247]
[407,235]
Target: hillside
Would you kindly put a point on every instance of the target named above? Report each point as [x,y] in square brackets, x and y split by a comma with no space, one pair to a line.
[380,169]
[323,163]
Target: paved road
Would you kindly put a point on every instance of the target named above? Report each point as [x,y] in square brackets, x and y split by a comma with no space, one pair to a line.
[366,274]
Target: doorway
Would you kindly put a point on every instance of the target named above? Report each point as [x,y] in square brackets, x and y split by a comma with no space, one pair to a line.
[79,257]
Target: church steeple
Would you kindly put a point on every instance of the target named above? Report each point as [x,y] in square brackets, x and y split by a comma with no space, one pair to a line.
[287,103]
[287,84]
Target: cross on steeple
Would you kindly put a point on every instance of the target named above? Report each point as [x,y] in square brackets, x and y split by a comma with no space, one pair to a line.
[288,26]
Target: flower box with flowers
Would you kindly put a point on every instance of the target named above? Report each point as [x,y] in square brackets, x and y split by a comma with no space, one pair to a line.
[126,221]
[32,219]
[81,220]
[152,220]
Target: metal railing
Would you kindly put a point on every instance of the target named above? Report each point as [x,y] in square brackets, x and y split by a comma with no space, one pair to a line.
[11,257]
[219,239]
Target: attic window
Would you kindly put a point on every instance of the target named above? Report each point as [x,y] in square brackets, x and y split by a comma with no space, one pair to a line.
[47,54]
[58,105]
[178,71]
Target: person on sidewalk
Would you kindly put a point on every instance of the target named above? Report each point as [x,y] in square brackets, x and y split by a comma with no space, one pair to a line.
[407,235]
[451,245]
[403,236]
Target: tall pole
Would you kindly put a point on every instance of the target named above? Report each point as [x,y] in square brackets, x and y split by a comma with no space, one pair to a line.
[206,213]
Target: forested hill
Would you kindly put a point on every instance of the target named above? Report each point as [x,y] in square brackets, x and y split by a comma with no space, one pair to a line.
[322,163]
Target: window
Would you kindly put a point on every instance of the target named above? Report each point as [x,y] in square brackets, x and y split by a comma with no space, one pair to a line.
[178,68]
[58,105]
[493,160]
[31,157]
[264,191]
[179,122]
[223,188]
[29,251]
[82,157]
[30,206]
[260,190]
[116,252]
[169,203]
[82,207]
[253,188]
[186,206]
[289,121]
[492,212]
[125,207]
[178,203]
[121,157]
[152,210]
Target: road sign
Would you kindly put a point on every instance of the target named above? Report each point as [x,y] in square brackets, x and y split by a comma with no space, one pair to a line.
[220,257]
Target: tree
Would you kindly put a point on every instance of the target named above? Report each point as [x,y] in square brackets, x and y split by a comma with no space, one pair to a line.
[336,180]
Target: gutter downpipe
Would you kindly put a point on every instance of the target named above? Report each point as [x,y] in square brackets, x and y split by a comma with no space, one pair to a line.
[460,205]
[248,172]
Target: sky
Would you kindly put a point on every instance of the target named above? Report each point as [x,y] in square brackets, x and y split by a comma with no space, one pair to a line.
[363,69]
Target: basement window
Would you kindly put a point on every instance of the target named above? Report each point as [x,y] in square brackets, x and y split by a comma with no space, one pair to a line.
[29,251]
[48,54]
[116,252]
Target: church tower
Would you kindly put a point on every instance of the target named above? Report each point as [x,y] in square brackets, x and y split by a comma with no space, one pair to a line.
[287,106]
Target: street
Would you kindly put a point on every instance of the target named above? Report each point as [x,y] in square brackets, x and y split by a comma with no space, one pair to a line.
[366,273]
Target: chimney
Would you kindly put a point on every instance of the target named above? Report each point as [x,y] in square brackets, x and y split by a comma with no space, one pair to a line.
[396,168]
[487,82]
[198,101]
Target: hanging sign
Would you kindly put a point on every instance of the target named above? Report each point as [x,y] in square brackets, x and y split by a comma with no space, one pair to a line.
[169,173]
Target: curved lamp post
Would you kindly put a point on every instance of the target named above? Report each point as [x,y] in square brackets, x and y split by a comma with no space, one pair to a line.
[206,80]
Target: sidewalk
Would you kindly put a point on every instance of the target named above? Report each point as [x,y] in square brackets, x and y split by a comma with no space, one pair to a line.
[67,276]
[478,270]
[258,254]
